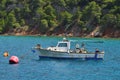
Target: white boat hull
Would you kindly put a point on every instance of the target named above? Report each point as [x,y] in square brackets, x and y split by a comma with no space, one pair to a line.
[43,53]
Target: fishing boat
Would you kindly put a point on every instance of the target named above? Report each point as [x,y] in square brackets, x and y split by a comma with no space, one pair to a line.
[63,50]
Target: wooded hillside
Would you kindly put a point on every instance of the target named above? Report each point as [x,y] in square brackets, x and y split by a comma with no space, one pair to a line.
[73,17]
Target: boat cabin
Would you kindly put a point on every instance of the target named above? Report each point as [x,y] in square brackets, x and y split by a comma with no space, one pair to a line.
[62,46]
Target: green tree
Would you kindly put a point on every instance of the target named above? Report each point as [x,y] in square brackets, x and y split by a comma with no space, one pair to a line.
[118,21]
[11,19]
[44,25]
[50,11]
[53,24]
[41,14]
[2,4]
[92,13]
[2,24]
[22,22]
[108,20]
[66,17]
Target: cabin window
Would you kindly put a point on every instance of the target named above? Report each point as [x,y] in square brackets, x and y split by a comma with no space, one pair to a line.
[62,45]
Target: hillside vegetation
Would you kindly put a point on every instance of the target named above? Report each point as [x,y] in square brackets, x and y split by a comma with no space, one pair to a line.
[54,17]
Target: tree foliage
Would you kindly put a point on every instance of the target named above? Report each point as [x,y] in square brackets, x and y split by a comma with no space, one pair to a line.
[48,15]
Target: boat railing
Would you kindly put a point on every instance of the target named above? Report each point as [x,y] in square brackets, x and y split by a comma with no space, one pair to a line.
[84,51]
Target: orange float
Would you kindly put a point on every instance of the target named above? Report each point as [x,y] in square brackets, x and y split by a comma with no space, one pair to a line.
[6,54]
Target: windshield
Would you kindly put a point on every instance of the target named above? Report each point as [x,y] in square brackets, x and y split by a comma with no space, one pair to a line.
[62,45]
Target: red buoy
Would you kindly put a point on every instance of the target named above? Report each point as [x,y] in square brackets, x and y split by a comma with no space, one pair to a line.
[13,60]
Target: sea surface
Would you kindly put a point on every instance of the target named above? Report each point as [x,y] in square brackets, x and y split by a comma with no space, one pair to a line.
[30,67]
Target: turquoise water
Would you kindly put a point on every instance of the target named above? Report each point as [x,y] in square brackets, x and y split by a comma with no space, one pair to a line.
[31,68]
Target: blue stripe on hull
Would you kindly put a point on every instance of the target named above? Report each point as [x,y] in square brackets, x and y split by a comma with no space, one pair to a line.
[93,58]
[88,58]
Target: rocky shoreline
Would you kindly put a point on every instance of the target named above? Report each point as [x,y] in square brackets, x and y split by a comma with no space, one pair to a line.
[108,33]
[115,34]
